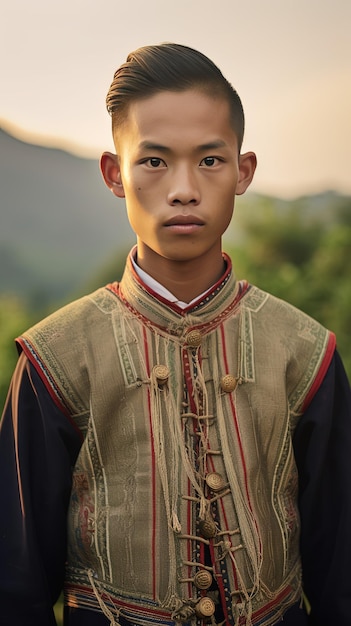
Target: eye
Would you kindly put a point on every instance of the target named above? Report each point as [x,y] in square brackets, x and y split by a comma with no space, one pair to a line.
[155,162]
[209,161]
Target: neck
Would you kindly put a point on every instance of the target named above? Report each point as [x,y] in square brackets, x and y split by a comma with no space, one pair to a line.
[185,279]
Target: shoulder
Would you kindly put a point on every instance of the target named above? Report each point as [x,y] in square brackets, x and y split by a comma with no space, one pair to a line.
[61,345]
[281,315]
[76,315]
[292,337]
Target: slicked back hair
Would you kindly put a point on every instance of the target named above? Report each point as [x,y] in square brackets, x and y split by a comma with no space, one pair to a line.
[169,67]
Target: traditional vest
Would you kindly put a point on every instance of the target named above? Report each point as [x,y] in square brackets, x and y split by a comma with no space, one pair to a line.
[185,488]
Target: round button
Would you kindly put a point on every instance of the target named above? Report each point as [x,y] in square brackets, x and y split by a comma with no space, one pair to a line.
[161,373]
[215,481]
[208,528]
[203,579]
[194,338]
[205,607]
[228,383]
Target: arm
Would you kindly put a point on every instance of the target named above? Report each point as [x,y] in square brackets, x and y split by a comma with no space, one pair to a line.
[38,447]
[322,444]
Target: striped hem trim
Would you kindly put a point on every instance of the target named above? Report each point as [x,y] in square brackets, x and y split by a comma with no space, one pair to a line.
[79,596]
[83,597]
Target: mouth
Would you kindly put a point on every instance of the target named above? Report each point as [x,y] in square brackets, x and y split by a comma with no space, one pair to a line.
[184,223]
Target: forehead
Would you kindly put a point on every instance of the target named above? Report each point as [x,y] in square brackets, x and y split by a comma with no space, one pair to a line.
[188,116]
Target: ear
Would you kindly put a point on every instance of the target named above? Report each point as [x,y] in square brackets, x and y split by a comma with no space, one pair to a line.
[111,173]
[247,166]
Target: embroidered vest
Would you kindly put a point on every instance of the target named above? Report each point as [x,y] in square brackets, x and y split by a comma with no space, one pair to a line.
[185,488]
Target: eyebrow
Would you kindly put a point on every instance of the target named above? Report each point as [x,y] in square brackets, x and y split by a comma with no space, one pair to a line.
[211,145]
[148,145]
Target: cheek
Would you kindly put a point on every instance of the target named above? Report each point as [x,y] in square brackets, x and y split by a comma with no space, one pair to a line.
[134,191]
[227,206]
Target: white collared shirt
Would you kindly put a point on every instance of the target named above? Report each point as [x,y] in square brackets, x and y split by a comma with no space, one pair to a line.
[160,289]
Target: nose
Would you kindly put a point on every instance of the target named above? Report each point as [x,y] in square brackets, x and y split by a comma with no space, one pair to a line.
[184,187]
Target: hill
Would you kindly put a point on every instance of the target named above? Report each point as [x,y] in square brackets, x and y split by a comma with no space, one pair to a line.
[58,222]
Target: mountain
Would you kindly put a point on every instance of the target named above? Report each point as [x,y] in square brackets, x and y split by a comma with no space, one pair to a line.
[58,222]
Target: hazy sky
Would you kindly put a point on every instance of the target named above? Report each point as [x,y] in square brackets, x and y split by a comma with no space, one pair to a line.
[290,61]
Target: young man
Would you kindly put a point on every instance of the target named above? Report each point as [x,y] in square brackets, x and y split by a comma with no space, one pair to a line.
[176,447]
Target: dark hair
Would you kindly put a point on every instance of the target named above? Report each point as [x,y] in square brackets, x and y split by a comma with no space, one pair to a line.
[169,67]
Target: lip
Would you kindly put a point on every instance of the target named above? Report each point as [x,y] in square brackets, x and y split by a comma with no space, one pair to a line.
[184,224]
[184,220]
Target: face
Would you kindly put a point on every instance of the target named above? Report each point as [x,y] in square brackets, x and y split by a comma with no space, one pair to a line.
[179,169]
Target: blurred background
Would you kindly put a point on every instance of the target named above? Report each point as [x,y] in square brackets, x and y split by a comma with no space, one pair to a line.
[62,233]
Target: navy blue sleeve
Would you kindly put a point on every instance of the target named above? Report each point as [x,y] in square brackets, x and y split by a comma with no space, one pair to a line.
[38,447]
[322,444]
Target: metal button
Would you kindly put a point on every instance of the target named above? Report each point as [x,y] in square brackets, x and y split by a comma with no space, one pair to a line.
[203,579]
[215,481]
[205,607]
[208,528]
[194,338]
[161,373]
[228,383]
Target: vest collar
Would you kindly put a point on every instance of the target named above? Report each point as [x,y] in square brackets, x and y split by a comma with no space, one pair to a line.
[210,307]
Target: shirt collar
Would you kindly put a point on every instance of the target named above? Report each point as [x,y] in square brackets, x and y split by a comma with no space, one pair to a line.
[160,289]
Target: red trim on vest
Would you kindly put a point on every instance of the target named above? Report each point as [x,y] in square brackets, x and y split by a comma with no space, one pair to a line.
[36,364]
[153,466]
[329,353]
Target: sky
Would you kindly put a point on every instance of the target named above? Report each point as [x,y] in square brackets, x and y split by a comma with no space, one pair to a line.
[290,61]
